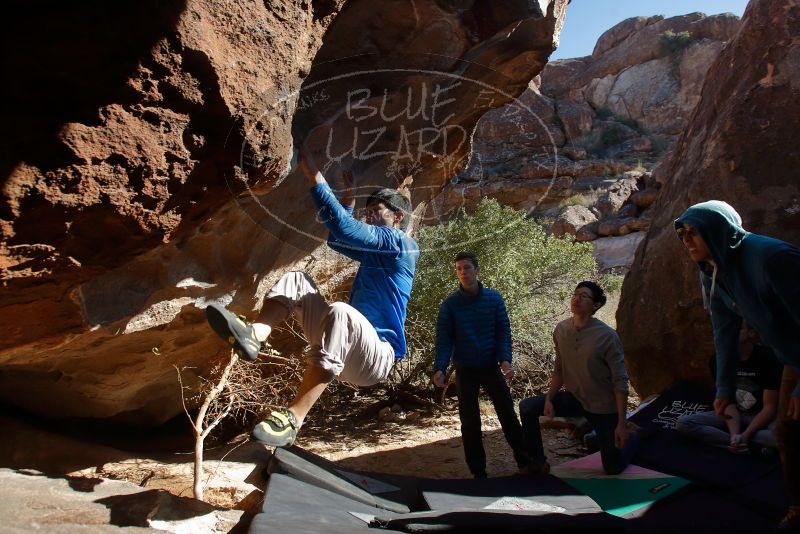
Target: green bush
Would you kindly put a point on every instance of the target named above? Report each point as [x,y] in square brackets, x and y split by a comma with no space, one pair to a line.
[612,135]
[660,144]
[597,143]
[603,112]
[587,200]
[533,271]
[629,122]
[670,42]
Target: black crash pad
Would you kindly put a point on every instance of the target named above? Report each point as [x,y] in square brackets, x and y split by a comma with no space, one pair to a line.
[698,510]
[500,521]
[767,495]
[669,452]
[293,507]
[393,493]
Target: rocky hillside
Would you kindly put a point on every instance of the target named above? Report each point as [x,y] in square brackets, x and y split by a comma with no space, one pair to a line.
[146,172]
[739,146]
[644,69]
[578,146]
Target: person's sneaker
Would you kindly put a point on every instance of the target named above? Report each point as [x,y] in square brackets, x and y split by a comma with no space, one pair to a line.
[235,331]
[791,521]
[533,469]
[279,429]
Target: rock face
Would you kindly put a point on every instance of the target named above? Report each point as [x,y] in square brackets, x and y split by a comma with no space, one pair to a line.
[106,184]
[739,147]
[591,118]
[572,219]
[93,505]
[157,179]
[643,69]
[233,476]
[616,253]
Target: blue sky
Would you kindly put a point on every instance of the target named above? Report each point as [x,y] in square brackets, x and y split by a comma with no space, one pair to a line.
[588,19]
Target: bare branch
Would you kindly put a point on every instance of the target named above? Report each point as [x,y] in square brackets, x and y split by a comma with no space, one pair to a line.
[183,398]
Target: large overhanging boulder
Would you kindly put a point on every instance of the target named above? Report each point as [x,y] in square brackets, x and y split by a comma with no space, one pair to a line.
[740,147]
[156,179]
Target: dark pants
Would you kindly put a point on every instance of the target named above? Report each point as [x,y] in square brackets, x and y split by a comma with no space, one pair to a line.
[787,433]
[468,381]
[566,405]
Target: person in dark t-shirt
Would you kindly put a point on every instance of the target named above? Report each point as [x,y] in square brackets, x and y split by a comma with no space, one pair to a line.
[751,419]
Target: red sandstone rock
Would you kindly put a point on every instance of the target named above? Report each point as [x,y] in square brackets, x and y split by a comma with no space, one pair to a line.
[571,220]
[739,147]
[147,175]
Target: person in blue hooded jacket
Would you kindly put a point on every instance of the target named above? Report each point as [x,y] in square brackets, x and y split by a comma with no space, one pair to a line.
[356,342]
[753,278]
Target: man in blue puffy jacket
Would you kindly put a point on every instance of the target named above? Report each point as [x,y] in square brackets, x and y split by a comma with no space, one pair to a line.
[474,331]
[356,342]
[750,277]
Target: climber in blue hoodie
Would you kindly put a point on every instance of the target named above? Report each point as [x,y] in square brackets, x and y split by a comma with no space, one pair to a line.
[750,277]
[356,342]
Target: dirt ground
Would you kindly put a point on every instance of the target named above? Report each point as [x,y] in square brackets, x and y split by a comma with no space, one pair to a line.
[425,444]
[413,444]
[355,429]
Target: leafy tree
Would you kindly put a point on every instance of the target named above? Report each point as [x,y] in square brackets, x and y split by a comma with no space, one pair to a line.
[533,271]
[671,42]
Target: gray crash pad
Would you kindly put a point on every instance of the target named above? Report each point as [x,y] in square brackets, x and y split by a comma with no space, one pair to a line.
[293,506]
[373,490]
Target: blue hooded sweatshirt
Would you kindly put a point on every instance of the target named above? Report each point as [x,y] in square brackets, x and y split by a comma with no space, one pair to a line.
[387,257]
[754,278]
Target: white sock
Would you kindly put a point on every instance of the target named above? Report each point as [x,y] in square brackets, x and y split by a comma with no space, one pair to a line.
[261,331]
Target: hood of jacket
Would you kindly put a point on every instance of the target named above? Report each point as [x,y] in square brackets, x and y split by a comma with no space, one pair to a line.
[720,227]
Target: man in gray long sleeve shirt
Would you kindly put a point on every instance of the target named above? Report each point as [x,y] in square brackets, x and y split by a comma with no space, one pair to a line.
[591,363]
[590,366]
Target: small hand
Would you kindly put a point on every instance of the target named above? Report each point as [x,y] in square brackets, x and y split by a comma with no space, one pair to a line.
[507,370]
[306,164]
[438,379]
[621,435]
[549,411]
[738,444]
[348,197]
[719,407]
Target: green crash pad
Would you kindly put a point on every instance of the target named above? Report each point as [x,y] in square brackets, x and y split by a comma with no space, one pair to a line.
[627,494]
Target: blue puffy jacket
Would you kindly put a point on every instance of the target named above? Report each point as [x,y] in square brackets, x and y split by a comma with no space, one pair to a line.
[473,330]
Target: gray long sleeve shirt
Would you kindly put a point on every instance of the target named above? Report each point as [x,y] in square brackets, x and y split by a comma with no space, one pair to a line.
[591,363]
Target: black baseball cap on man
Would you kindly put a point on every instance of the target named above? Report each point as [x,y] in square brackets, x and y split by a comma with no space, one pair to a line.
[395,201]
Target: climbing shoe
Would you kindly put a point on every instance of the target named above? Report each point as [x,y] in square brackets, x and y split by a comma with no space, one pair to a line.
[235,331]
[278,430]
